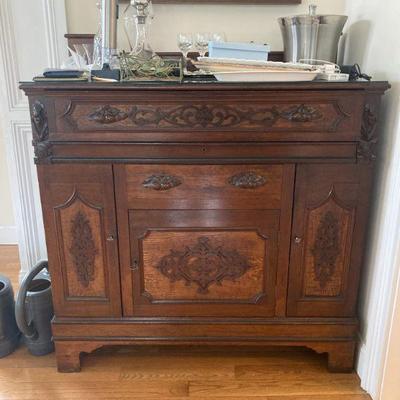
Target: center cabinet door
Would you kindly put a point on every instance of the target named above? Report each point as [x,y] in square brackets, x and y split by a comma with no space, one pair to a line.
[204,240]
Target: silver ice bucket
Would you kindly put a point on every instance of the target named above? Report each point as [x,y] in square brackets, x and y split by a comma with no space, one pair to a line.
[312,36]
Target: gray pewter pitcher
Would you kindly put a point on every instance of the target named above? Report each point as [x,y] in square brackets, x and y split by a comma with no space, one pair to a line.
[9,332]
[34,311]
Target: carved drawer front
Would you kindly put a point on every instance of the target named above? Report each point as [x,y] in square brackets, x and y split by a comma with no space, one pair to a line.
[325,259]
[262,115]
[204,187]
[202,263]
[79,214]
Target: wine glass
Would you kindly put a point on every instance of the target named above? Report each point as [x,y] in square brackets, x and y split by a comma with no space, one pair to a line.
[218,37]
[201,42]
[185,44]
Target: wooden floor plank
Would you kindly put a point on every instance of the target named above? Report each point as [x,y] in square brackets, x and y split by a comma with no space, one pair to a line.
[277,385]
[173,373]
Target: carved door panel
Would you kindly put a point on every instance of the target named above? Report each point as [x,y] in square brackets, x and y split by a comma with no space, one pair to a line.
[325,260]
[203,263]
[79,214]
[226,258]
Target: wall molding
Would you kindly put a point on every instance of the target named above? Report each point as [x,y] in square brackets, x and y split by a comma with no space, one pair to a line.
[15,98]
[28,210]
[54,53]
[383,273]
[15,117]
[8,235]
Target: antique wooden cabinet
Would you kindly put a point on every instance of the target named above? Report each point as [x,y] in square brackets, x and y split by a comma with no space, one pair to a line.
[215,214]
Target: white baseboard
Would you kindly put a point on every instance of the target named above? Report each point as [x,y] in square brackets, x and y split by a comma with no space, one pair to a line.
[8,235]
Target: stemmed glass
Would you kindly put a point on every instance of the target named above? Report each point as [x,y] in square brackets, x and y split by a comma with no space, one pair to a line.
[218,37]
[201,42]
[185,44]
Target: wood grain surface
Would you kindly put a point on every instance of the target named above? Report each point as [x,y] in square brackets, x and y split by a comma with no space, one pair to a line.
[173,373]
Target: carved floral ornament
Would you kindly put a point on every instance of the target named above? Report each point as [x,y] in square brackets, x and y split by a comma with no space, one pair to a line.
[162,182]
[205,116]
[203,264]
[83,249]
[248,180]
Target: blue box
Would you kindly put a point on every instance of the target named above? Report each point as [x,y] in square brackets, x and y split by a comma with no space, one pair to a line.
[241,51]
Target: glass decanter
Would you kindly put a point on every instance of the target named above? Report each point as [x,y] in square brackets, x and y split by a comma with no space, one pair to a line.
[98,42]
[138,17]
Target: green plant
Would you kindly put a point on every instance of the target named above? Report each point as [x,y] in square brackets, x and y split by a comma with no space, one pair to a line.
[134,67]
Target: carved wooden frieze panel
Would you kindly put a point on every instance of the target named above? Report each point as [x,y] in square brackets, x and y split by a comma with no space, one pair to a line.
[41,143]
[328,243]
[259,116]
[205,116]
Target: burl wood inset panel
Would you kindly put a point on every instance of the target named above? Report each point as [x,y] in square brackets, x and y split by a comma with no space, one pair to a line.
[204,186]
[328,242]
[82,229]
[204,265]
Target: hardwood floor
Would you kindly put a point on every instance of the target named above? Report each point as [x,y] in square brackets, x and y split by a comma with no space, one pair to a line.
[173,373]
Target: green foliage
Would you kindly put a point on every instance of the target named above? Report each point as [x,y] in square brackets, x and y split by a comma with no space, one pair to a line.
[134,67]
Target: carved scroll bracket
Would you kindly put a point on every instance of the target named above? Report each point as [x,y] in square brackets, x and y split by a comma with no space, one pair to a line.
[367,146]
[41,142]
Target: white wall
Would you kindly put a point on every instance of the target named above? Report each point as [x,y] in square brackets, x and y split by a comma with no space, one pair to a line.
[371,41]
[8,231]
[239,22]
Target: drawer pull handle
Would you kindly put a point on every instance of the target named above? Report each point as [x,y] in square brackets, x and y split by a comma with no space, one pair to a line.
[248,180]
[162,182]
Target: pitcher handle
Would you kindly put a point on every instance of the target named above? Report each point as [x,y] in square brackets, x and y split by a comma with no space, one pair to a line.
[20,314]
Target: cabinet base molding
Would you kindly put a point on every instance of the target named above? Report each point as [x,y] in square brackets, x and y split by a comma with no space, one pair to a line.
[336,337]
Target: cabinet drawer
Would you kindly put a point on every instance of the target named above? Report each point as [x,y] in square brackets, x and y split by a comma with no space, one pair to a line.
[203,187]
[216,116]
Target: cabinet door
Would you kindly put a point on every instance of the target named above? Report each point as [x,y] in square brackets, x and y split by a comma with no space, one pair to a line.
[329,224]
[209,241]
[80,223]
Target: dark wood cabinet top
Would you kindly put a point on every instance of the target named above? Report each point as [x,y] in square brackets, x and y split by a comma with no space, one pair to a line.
[374,86]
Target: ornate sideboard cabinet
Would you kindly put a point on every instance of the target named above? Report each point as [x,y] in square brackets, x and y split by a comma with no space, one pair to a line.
[215,214]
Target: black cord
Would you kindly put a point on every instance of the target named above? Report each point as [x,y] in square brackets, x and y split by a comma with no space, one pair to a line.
[356,74]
